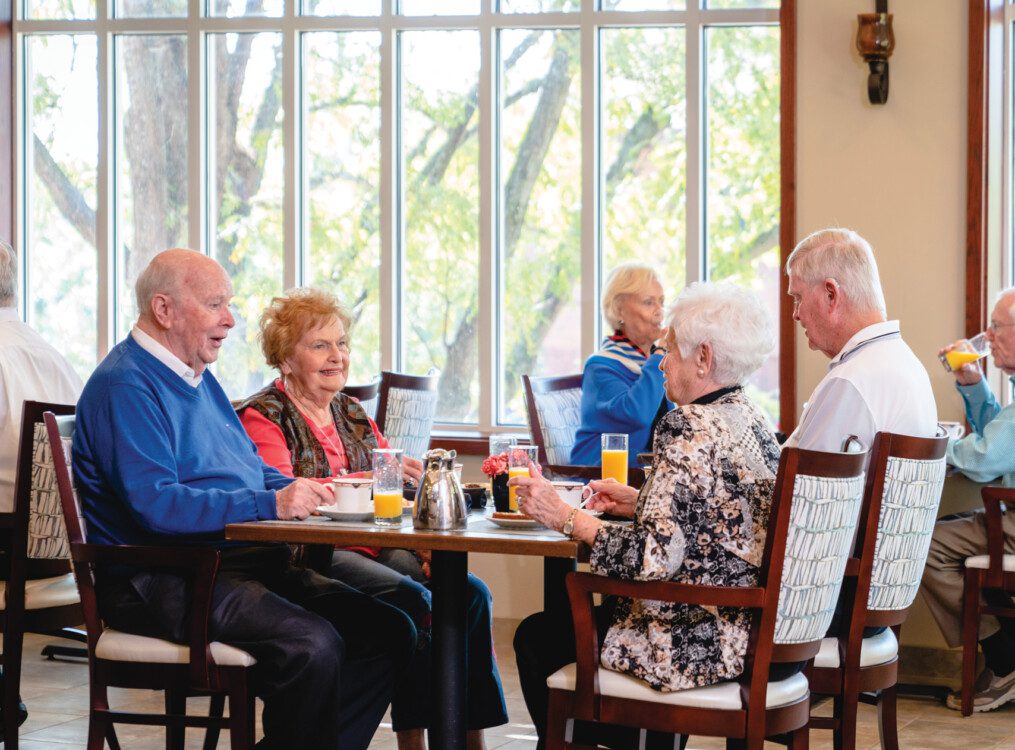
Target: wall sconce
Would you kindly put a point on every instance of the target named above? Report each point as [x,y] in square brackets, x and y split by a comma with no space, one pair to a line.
[875,41]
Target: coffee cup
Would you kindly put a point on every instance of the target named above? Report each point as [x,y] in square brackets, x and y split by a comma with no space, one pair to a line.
[954,430]
[569,491]
[353,494]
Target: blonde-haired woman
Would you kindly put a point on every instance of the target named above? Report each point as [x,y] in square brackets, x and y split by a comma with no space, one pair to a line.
[622,387]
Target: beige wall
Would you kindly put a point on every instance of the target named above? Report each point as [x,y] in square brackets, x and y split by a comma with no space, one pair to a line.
[895,173]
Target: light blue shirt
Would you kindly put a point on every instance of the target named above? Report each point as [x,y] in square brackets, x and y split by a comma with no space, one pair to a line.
[989,451]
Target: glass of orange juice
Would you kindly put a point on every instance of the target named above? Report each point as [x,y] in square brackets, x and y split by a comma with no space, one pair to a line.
[387,466]
[519,459]
[614,456]
[966,352]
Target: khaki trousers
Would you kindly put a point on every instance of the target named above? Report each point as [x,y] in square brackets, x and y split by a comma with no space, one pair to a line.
[955,539]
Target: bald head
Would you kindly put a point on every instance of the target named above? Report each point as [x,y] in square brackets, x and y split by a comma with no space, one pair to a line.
[169,273]
[183,298]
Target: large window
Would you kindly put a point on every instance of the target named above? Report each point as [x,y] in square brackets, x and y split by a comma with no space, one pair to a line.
[461,173]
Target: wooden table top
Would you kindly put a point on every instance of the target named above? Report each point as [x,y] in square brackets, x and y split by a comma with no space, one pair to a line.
[481,535]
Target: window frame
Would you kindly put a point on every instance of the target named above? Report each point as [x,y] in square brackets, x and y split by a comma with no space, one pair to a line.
[198,28]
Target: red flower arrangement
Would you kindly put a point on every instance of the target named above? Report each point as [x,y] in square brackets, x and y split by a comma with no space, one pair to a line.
[496,464]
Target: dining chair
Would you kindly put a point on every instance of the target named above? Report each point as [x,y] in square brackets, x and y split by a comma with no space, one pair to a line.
[367,395]
[38,594]
[905,477]
[127,660]
[406,408]
[813,517]
[988,587]
[554,409]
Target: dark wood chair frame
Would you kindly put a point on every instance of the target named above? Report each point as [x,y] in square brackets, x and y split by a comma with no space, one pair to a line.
[850,684]
[747,727]
[391,380]
[986,591]
[15,620]
[533,386]
[199,676]
[364,392]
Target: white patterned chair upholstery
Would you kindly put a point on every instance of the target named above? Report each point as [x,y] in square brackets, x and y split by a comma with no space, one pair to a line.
[903,490]
[815,507]
[554,408]
[118,659]
[406,408]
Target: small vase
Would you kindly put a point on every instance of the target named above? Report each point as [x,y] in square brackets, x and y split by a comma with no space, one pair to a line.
[500,492]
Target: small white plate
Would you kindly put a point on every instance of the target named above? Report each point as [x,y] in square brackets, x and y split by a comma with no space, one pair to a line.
[517,523]
[344,515]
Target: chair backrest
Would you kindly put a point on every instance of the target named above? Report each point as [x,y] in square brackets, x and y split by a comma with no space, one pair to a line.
[406,407]
[904,482]
[823,494]
[367,395]
[554,409]
[60,431]
[36,497]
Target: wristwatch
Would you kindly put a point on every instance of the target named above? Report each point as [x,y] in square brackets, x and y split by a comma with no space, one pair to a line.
[568,528]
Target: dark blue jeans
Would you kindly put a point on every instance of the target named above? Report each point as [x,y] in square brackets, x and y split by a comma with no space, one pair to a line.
[396,577]
[327,655]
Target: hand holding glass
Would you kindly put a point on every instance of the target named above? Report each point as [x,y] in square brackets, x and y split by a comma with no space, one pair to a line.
[519,458]
[387,467]
[614,457]
[966,352]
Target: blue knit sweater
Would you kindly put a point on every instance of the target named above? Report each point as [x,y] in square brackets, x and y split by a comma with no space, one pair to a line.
[155,457]
[615,399]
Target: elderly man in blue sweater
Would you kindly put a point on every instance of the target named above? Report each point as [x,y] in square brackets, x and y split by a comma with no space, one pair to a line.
[160,457]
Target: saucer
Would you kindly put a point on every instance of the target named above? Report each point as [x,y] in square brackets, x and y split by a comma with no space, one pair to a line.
[517,523]
[345,515]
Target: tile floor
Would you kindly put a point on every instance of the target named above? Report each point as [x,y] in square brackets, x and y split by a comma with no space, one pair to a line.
[57,698]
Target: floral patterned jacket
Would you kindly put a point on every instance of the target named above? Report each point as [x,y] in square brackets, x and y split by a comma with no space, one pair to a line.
[700,519]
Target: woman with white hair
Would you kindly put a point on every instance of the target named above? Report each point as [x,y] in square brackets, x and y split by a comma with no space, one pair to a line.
[702,517]
[622,387]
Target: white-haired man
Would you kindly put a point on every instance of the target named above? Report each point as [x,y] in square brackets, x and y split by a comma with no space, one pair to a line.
[874,382]
[983,455]
[30,370]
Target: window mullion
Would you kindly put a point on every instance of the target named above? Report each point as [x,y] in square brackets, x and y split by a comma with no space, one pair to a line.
[197,134]
[697,267]
[489,219]
[294,223]
[591,221]
[106,287]
[390,210]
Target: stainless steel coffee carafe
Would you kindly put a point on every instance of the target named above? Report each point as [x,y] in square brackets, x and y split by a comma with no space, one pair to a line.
[440,502]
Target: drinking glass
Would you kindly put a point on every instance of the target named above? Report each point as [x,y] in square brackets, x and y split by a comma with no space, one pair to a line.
[519,458]
[966,352]
[387,466]
[614,457]
[501,444]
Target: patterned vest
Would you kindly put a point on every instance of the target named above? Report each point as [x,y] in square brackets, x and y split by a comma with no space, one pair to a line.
[308,457]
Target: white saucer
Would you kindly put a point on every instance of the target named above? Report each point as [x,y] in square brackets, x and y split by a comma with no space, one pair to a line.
[344,515]
[517,523]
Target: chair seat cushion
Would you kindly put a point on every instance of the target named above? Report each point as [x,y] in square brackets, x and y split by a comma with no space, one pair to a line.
[43,593]
[875,650]
[724,695]
[983,562]
[114,645]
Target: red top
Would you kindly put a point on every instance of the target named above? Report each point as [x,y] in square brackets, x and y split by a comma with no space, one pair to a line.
[272,448]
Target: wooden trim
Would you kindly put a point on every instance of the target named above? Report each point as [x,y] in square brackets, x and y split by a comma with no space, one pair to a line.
[787,212]
[7,121]
[976,167]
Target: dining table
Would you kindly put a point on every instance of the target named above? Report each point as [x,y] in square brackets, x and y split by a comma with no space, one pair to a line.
[448,575]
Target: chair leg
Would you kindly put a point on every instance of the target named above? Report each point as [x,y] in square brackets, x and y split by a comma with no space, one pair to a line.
[215,709]
[800,739]
[114,744]
[556,721]
[970,629]
[847,707]
[888,725]
[241,716]
[176,703]
[837,711]
[97,726]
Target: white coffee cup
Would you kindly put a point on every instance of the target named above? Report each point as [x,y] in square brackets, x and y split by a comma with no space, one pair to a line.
[353,494]
[954,430]
[569,491]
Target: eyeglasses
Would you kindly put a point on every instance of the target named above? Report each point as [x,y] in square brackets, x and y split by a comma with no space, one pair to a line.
[994,325]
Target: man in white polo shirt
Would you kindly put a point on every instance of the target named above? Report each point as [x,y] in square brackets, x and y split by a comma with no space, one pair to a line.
[874,381]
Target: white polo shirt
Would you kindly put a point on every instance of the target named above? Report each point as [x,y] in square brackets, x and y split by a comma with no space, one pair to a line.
[875,384]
